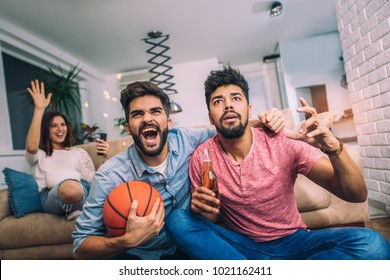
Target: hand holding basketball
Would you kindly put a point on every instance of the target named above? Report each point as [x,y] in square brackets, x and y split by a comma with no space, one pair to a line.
[141,229]
[116,209]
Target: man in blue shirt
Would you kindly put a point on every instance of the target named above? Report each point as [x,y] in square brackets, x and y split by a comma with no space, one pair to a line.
[160,156]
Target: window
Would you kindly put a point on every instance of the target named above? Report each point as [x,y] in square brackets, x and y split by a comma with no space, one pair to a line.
[18,75]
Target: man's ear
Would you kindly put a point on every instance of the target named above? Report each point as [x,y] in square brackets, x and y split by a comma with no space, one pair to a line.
[127,127]
[211,120]
[170,123]
[249,111]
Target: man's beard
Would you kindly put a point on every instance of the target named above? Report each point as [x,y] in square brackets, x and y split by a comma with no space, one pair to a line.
[156,150]
[232,132]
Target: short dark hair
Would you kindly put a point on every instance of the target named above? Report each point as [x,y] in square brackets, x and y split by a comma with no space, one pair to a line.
[224,77]
[138,89]
[45,142]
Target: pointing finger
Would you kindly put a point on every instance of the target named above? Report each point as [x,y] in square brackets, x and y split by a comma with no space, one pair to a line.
[303,101]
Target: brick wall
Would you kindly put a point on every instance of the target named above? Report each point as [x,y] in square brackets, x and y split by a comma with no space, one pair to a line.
[364,27]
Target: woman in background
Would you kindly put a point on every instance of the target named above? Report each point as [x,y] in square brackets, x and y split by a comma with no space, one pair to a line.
[63,173]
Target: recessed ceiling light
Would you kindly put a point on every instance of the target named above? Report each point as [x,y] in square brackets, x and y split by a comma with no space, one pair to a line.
[276,9]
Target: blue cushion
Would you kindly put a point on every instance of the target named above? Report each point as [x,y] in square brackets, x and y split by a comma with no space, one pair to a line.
[23,194]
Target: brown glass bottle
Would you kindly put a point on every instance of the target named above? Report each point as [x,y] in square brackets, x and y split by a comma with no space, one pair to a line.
[209,179]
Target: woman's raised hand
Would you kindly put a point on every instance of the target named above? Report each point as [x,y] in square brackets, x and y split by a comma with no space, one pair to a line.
[37,92]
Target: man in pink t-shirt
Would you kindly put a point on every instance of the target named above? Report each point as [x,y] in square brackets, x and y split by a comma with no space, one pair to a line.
[256,172]
[257,192]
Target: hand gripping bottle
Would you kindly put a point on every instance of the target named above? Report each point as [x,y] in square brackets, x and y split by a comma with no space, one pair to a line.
[209,179]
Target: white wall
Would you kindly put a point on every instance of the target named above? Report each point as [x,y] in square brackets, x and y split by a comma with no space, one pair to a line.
[189,79]
[106,107]
[258,77]
[314,61]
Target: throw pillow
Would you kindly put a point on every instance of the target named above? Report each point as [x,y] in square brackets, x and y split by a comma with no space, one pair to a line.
[23,194]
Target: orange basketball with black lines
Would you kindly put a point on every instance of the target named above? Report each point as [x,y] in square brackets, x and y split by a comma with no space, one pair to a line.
[117,205]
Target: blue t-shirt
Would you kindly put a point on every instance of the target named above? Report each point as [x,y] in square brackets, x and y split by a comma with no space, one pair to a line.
[128,166]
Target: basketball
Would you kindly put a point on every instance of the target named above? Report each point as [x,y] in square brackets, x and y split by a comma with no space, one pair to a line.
[117,205]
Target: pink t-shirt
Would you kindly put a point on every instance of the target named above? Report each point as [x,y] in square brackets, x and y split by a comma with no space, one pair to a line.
[257,194]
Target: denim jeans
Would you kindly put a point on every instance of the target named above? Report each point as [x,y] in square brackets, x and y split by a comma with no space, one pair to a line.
[51,202]
[202,239]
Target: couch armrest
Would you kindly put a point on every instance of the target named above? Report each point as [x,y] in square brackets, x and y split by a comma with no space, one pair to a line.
[5,210]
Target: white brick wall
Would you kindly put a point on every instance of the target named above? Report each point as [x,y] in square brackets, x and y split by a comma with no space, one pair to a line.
[364,27]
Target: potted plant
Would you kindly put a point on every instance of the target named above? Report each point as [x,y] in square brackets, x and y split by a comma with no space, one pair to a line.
[90,132]
[64,88]
[120,123]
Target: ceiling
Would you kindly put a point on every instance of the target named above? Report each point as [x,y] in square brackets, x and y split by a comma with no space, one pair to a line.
[107,34]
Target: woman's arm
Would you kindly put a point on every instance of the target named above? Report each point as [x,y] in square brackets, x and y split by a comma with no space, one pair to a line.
[37,92]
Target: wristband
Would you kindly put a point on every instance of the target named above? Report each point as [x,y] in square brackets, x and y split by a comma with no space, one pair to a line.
[334,153]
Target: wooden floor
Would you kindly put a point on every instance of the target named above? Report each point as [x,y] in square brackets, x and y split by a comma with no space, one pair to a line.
[380,225]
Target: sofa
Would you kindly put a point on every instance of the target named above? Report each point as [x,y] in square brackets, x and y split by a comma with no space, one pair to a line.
[42,235]
[48,236]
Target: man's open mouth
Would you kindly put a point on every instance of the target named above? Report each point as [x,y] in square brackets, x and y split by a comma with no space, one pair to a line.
[149,133]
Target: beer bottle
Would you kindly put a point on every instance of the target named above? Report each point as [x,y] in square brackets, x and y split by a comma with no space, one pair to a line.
[209,179]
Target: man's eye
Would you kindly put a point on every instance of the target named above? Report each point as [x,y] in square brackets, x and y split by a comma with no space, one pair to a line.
[217,102]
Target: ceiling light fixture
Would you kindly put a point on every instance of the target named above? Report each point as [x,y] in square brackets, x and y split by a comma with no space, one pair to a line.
[271,58]
[276,9]
[174,107]
[161,69]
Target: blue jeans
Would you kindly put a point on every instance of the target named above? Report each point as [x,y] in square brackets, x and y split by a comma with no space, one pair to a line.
[51,202]
[201,239]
